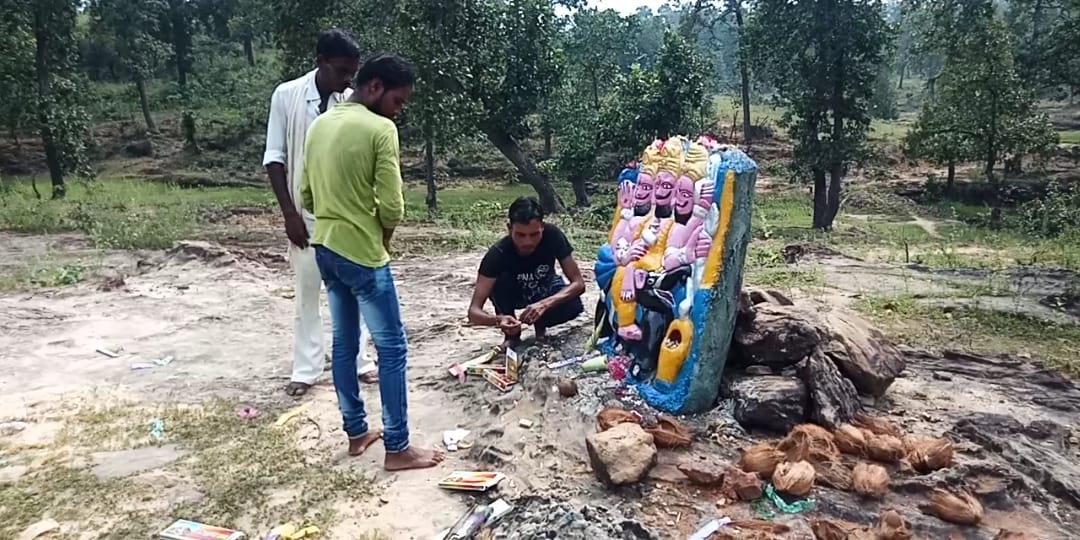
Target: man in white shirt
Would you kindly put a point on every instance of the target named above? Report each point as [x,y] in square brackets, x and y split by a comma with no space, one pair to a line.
[293,107]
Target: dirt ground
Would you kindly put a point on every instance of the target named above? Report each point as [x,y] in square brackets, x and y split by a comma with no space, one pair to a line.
[223,312]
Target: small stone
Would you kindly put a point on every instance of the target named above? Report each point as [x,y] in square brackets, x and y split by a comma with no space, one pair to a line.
[621,455]
[759,370]
[702,474]
[526,423]
[940,376]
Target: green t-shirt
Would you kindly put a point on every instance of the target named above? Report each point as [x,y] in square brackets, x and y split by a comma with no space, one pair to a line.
[352,182]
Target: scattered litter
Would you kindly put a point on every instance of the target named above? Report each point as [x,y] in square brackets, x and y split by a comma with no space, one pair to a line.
[526,423]
[513,365]
[711,527]
[7,428]
[796,507]
[470,523]
[287,416]
[471,481]
[108,352]
[501,382]
[597,363]
[157,429]
[290,531]
[498,509]
[183,529]
[159,362]
[38,529]
[453,438]
[247,413]
[476,366]
[558,364]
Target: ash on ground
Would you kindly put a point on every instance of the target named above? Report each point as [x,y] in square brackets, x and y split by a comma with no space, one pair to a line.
[539,517]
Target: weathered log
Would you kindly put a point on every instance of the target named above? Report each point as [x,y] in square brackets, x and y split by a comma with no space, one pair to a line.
[833,398]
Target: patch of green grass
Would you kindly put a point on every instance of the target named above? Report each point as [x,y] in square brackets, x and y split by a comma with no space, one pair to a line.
[122,213]
[64,494]
[888,130]
[1069,137]
[788,277]
[975,329]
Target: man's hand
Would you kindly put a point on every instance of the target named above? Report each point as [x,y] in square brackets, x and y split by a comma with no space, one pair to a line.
[296,230]
[533,312]
[508,324]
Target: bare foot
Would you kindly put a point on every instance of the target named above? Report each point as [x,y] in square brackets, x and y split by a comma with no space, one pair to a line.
[413,458]
[357,446]
[297,389]
[371,377]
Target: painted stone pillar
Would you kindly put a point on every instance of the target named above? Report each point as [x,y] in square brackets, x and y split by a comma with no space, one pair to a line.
[672,269]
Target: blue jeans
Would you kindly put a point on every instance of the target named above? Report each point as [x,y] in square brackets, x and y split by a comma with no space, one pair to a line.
[355,290]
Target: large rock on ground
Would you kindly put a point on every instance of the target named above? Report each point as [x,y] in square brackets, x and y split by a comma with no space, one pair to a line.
[621,455]
[780,336]
[833,398]
[768,402]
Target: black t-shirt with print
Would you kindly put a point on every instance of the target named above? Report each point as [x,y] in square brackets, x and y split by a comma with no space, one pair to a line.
[531,272]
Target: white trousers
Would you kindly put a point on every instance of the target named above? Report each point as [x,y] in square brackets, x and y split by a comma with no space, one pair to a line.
[309,356]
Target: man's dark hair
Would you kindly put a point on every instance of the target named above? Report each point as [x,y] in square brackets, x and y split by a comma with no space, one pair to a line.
[393,70]
[525,209]
[337,43]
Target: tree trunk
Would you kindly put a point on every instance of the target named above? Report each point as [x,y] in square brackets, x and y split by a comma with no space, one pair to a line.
[903,70]
[140,85]
[547,141]
[549,198]
[41,61]
[595,91]
[821,203]
[249,49]
[744,73]
[991,159]
[581,197]
[835,184]
[950,180]
[181,40]
[429,174]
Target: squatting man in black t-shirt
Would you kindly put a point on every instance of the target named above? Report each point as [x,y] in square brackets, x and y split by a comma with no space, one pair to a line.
[518,272]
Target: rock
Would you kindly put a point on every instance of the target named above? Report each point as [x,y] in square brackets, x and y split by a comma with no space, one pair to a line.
[703,473]
[759,370]
[861,352]
[189,250]
[779,336]
[621,455]
[770,402]
[140,148]
[833,398]
[568,388]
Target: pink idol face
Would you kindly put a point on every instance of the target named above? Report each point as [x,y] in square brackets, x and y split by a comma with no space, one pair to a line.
[643,194]
[665,188]
[626,195]
[684,195]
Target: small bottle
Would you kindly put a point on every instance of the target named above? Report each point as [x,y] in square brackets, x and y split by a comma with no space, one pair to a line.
[468,527]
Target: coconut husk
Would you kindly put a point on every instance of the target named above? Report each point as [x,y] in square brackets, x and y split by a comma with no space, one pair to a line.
[870,480]
[877,425]
[892,526]
[850,440]
[760,459]
[1005,534]
[929,455]
[833,474]
[831,529]
[961,508]
[742,485]
[809,442]
[609,418]
[794,478]
[669,433]
[885,448]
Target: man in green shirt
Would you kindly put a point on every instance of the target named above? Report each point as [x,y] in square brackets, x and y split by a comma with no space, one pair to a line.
[352,185]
